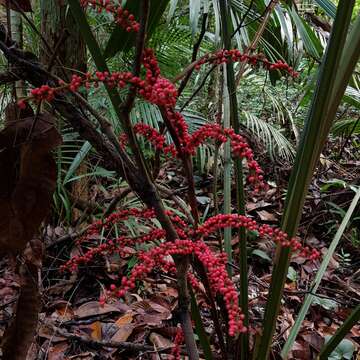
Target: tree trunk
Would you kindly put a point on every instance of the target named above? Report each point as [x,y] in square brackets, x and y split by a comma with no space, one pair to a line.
[69,53]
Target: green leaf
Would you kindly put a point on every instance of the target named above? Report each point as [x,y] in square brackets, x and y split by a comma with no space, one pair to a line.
[194,6]
[312,142]
[121,40]
[333,183]
[173,4]
[311,42]
[319,275]
[326,304]
[344,350]
[262,254]
[77,161]
[292,274]
[199,326]
[328,6]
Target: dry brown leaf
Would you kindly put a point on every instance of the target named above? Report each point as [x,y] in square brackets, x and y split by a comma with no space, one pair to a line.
[160,341]
[47,332]
[125,319]
[83,356]
[28,176]
[300,351]
[63,311]
[251,206]
[94,308]
[96,331]
[314,340]
[57,352]
[266,216]
[123,333]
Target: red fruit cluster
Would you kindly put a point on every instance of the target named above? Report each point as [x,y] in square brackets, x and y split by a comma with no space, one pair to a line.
[155,138]
[189,143]
[45,92]
[158,256]
[239,148]
[178,341]
[214,264]
[224,56]
[240,221]
[122,17]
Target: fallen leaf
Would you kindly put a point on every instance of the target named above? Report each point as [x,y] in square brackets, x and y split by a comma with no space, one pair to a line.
[160,341]
[94,308]
[125,319]
[266,216]
[57,352]
[123,333]
[46,331]
[96,331]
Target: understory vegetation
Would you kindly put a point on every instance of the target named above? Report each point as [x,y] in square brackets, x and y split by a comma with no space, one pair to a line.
[180,179]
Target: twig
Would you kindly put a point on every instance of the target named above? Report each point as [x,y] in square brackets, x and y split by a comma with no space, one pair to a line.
[243,18]
[257,37]
[349,136]
[203,82]
[196,48]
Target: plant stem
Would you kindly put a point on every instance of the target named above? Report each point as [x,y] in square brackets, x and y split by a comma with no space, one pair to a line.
[225,15]
[141,181]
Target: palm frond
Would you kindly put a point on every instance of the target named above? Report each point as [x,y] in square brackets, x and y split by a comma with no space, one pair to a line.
[276,143]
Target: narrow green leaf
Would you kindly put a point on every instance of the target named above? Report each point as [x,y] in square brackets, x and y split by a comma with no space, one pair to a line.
[199,326]
[173,4]
[328,6]
[305,162]
[338,337]
[311,42]
[80,156]
[194,6]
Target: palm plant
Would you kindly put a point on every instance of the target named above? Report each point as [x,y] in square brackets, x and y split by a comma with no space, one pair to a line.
[327,97]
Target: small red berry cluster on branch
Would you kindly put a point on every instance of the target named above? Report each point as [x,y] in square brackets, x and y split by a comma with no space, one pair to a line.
[190,242]
[214,264]
[224,56]
[178,341]
[222,221]
[122,17]
[239,148]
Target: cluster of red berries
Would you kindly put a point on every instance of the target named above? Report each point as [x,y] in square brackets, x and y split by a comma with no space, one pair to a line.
[239,148]
[45,92]
[215,265]
[158,256]
[157,140]
[189,143]
[179,339]
[224,56]
[122,17]
[222,221]
[162,92]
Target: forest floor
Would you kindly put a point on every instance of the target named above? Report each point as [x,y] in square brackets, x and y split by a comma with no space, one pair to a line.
[74,325]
